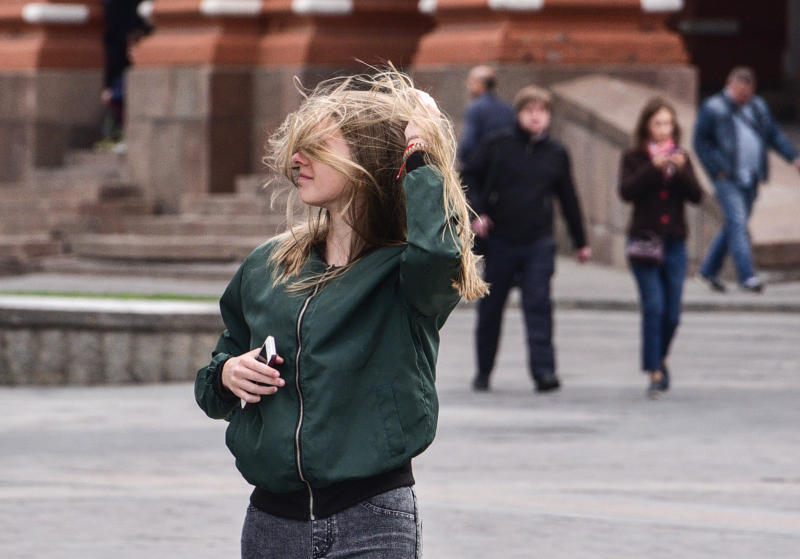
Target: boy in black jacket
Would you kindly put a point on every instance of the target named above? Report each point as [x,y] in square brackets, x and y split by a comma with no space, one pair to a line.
[512,180]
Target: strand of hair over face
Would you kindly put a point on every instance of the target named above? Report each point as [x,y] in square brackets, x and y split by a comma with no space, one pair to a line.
[349,105]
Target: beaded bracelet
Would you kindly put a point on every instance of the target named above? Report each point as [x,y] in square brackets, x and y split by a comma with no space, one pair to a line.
[410,148]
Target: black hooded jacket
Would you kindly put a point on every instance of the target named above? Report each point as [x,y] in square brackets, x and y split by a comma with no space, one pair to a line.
[513,179]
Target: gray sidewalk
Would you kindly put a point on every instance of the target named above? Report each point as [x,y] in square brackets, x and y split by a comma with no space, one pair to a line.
[588,286]
[594,471]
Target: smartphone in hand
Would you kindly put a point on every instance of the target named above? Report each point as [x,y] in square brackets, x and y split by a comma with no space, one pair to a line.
[266,355]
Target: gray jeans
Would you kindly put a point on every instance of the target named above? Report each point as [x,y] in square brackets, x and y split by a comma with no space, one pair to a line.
[386,526]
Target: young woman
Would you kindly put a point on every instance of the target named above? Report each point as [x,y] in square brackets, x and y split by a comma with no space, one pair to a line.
[354,298]
[657,178]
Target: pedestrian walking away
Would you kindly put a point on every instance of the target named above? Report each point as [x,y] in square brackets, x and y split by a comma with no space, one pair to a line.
[656,176]
[734,130]
[354,298]
[512,181]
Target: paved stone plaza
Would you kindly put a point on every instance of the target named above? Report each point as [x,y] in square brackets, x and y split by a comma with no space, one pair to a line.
[595,471]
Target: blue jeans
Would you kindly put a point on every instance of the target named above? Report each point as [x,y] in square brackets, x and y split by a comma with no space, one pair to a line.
[532,265]
[660,291]
[386,526]
[737,204]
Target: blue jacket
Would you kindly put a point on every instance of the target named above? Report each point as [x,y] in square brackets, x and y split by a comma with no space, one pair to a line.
[715,136]
[485,114]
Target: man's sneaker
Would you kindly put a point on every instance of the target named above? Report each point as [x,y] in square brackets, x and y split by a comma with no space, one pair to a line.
[753,285]
[547,383]
[480,383]
[713,283]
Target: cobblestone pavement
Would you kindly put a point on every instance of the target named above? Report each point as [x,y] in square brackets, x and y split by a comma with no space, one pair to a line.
[594,471]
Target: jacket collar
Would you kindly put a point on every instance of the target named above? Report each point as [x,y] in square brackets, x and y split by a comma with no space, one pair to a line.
[526,137]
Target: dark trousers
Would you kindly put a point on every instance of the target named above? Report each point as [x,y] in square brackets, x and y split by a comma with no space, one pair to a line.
[532,265]
[660,291]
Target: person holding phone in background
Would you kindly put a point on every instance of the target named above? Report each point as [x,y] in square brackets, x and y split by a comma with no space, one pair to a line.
[355,298]
[656,176]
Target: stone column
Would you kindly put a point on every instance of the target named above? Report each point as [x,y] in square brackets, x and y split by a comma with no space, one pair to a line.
[190,99]
[51,60]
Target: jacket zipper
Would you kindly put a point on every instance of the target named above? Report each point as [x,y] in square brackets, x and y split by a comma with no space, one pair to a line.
[300,398]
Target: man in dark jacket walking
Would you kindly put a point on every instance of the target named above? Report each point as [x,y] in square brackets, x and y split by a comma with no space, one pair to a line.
[734,130]
[512,180]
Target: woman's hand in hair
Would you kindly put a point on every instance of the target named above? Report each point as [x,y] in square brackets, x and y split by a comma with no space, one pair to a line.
[481,225]
[249,379]
[426,109]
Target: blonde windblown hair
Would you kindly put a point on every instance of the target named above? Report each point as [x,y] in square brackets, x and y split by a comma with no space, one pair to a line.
[371,112]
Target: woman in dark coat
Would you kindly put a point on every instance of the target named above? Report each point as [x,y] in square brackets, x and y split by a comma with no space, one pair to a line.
[657,178]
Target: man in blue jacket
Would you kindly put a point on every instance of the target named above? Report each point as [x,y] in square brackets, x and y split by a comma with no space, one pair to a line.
[485,114]
[732,135]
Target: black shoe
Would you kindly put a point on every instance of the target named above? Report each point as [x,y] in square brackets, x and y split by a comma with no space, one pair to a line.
[547,383]
[664,386]
[753,285]
[480,383]
[713,283]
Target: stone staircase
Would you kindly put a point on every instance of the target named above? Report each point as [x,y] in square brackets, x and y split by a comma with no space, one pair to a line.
[83,217]
[37,214]
[211,234]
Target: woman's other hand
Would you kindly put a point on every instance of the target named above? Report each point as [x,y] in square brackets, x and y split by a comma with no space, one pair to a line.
[481,225]
[427,109]
[249,379]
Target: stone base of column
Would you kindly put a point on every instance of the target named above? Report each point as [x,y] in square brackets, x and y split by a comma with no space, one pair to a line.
[188,130]
[43,113]
[554,32]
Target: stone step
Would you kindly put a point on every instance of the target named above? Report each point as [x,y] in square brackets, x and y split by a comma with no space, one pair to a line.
[195,225]
[18,253]
[172,248]
[32,210]
[41,215]
[80,166]
[778,254]
[19,192]
[251,184]
[227,204]
[71,264]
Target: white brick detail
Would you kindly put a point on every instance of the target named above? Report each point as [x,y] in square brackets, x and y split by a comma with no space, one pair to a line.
[516,5]
[145,10]
[235,8]
[427,6]
[65,14]
[322,7]
[662,5]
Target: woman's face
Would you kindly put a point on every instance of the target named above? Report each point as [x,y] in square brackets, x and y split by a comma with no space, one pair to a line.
[661,126]
[319,184]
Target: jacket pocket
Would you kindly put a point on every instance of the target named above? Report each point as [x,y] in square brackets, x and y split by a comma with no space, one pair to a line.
[387,409]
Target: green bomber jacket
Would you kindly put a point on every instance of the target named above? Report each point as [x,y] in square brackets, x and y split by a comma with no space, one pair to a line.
[360,356]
